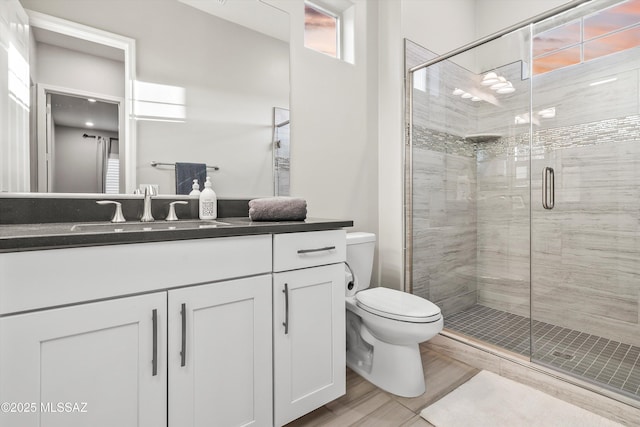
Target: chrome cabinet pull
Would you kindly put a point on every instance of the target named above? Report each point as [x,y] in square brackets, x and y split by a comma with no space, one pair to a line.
[308,251]
[286,309]
[183,351]
[548,188]
[154,360]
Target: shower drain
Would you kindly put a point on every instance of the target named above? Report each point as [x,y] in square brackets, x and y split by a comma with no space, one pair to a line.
[563,355]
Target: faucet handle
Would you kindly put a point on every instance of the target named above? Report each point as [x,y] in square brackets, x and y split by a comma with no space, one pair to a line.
[172,210]
[117,215]
[151,190]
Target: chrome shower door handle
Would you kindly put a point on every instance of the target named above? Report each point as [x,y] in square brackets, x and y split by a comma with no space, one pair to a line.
[548,188]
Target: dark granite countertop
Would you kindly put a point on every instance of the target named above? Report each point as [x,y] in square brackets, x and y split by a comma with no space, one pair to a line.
[29,237]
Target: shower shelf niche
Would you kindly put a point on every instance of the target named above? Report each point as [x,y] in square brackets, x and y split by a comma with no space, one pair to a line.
[482,137]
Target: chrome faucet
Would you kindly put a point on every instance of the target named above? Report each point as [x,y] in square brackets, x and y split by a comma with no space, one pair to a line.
[146,214]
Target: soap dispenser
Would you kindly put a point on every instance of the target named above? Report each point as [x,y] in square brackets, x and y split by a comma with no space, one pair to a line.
[208,202]
[195,192]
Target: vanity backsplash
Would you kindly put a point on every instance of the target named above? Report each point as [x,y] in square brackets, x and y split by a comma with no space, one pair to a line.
[40,210]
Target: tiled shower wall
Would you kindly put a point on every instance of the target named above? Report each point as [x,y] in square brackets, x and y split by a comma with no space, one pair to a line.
[472,207]
[444,220]
[444,189]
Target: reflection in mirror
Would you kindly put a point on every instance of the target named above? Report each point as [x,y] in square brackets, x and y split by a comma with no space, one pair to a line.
[71,64]
[281,151]
[228,75]
[83,145]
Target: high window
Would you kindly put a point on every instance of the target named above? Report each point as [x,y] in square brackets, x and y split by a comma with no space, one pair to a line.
[608,31]
[321,30]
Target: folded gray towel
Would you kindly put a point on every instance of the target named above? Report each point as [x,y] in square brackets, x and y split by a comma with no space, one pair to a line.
[278,209]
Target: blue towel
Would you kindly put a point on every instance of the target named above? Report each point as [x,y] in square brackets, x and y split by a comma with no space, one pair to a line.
[186,173]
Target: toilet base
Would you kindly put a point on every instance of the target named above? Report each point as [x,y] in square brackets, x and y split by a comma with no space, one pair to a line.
[393,368]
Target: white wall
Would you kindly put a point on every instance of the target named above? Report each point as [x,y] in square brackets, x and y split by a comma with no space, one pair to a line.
[58,66]
[439,25]
[334,114]
[76,160]
[494,15]
[232,78]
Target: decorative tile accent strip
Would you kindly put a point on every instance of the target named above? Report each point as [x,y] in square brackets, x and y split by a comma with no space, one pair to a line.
[607,131]
[442,142]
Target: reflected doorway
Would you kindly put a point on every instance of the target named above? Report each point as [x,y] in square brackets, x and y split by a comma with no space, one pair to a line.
[82,143]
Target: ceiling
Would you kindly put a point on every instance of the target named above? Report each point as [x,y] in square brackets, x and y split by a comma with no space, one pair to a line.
[253,14]
[75,112]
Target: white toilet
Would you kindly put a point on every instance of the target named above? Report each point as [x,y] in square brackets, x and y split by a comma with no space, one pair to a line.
[385,326]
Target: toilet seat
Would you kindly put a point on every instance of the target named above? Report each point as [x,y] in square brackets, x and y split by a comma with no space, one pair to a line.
[397,305]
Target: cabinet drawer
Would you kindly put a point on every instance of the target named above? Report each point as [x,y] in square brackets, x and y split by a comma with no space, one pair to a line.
[301,250]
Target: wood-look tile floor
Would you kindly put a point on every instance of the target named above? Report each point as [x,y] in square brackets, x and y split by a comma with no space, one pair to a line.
[366,405]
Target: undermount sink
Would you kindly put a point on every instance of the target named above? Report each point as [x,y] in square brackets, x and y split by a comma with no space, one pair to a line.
[146,226]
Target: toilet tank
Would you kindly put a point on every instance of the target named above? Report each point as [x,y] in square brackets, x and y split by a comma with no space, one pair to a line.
[360,248]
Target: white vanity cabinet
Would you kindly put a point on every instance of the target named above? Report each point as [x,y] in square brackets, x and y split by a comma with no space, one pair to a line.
[98,364]
[220,354]
[308,321]
[91,324]
[177,333]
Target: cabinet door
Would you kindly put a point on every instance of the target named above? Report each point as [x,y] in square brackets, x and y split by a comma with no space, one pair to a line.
[97,364]
[220,354]
[309,339]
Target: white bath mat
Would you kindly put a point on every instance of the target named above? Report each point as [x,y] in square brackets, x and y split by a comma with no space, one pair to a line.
[489,400]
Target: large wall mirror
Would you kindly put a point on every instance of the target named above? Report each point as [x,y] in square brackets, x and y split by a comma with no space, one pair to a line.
[205,82]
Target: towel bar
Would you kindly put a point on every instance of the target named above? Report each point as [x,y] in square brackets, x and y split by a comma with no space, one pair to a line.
[154,164]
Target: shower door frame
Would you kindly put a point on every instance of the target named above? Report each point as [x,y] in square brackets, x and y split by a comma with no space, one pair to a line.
[408,201]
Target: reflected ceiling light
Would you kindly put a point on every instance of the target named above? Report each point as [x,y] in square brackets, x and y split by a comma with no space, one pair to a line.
[89,124]
[613,79]
[489,79]
[522,119]
[466,95]
[91,100]
[547,113]
[458,92]
[508,88]
[502,82]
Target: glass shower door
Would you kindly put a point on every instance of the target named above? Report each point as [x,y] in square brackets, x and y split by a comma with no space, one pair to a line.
[469,183]
[585,199]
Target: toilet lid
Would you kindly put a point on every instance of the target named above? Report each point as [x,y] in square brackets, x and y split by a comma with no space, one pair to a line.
[397,305]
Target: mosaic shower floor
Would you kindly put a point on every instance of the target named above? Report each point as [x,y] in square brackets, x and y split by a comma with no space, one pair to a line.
[609,363]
